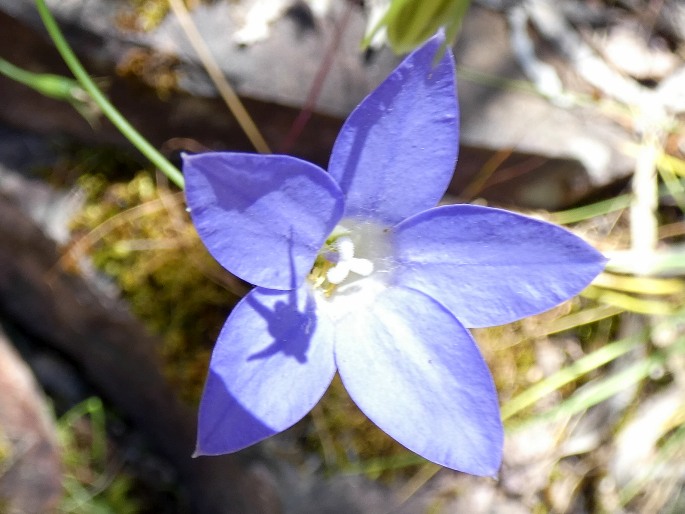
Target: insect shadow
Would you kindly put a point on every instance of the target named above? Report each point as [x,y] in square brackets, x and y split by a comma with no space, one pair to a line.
[291,328]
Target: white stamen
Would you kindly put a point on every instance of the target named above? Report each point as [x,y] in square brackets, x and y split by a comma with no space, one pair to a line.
[345,262]
[345,248]
[339,272]
[363,267]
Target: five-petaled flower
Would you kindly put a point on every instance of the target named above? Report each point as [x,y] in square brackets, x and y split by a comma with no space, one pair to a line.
[357,271]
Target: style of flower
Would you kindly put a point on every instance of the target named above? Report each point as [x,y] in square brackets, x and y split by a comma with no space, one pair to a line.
[357,271]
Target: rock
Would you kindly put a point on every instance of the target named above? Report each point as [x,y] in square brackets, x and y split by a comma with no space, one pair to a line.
[638,446]
[626,49]
[46,206]
[116,355]
[30,464]
[279,68]
[496,114]
[559,154]
[178,122]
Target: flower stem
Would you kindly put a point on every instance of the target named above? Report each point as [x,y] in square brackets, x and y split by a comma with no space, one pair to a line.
[103,103]
[54,86]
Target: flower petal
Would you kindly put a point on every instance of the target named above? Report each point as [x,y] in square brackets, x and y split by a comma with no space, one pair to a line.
[263,217]
[395,154]
[272,363]
[490,266]
[415,371]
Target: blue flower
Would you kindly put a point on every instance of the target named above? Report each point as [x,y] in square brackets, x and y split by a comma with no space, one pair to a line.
[357,271]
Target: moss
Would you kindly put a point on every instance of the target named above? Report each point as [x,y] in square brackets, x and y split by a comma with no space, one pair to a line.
[142,15]
[154,69]
[146,15]
[6,452]
[350,443]
[143,240]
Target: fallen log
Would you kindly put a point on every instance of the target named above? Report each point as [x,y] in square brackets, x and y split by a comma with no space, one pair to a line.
[116,354]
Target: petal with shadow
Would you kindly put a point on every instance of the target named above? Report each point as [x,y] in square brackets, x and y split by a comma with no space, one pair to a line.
[272,363]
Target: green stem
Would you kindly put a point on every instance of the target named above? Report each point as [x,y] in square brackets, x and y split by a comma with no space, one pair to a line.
[53,86]
[614,204]
[107,108]
[569,374]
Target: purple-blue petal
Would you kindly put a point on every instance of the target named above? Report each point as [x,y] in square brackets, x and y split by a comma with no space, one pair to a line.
[263,217]
[490,266]
[415,371]
[272,363]
[395,154]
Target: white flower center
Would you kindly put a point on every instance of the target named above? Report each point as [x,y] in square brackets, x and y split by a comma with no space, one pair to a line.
[354,252]
[347,262]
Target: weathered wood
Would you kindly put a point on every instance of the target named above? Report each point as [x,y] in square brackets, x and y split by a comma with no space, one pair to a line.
[178,122]
[573,151]
[117,355]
